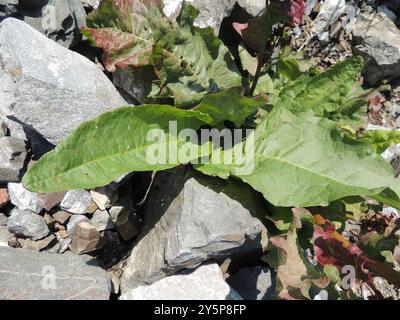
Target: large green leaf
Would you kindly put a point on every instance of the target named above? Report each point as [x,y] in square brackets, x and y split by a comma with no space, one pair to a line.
[230,105]
[298,159]
[188,61]
[116,143]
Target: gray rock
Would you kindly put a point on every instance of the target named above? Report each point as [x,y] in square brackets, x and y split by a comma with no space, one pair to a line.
[4,236]
[74,220]
[27,224]
[381,54]
[191,218]
[204,283]
[12,157]
[23,198]
[3,128]
[125,220]
[77,201]
[329,13]
[53,91]
[213,12]
[91,4]
[102,221]
[390,14]
[253,283]
[59,20]
[3,219]
[30,275]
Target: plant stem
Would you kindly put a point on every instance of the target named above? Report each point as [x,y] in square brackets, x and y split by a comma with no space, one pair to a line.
[260,64]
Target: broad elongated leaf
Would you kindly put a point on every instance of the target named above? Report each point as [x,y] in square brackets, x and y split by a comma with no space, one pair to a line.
[230,105]
[331,93]
[127,139]
[301,160]
[189,62]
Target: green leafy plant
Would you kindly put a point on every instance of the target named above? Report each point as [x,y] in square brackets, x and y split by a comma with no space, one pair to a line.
[303,154]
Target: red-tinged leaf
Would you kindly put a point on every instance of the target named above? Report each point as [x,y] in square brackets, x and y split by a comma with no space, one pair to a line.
[331,248]
[294,9]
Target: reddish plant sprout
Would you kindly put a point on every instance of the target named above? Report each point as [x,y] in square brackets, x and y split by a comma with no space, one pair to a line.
[294,9]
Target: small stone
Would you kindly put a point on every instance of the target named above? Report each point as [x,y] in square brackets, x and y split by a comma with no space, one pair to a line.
[38,245]
[102,221]
[4,197]
[3,128]
[4,236]
[63,234]
[74,220]
[50,221]
[3,219]
[253,283]
[104,197]
[85,238]
[24,272]
[23,198]
[61,216]
[204,283]
[126,222]
[50,200]
[77,202]
[27,224]
[12,158]
[329,13]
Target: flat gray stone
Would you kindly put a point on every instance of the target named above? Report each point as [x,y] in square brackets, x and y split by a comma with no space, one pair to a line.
[204,283]
[52,91]
[12,157]
[30,275]
[101,220]
[191,218]
[27,224]
[381,53]
[4,236]
[253,283]
[74,220]
[23,198]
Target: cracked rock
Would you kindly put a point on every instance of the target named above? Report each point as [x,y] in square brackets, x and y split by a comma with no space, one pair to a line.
[27,224]
[50,276]
[191,218]
[72,88]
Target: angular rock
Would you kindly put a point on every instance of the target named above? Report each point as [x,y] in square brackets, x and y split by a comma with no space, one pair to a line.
[72,88]
[85,238]
[102,221]
[125,221]
[253,283]
[191,218]
[77,202]
[90,4]
[38,245]
[50,276]
[74,220]
[204,283]
[59,20]
[12,155]
[4,197]
[27,224]
[104,197]
[50,200]
[23,198]
[381,54]
[61,217]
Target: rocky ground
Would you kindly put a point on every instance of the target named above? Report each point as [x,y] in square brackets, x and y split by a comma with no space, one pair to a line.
[170,235]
